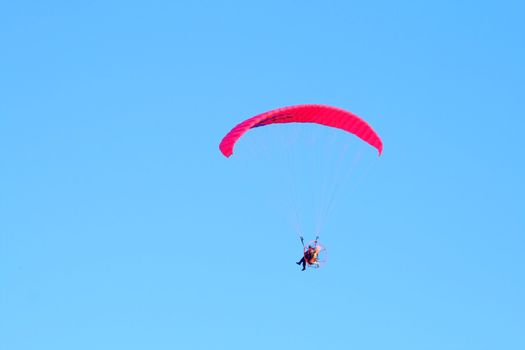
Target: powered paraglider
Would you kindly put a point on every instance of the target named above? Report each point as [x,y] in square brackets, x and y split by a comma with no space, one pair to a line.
[314,253]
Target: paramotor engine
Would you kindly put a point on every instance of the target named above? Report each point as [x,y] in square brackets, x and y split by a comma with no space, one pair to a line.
[321,257]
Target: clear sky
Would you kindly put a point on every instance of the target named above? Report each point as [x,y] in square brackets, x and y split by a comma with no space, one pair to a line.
[123,227]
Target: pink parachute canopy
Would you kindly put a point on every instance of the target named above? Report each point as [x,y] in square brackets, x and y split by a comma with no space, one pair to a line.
[319,114]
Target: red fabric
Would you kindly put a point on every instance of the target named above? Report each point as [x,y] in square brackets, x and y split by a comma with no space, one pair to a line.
[319,114]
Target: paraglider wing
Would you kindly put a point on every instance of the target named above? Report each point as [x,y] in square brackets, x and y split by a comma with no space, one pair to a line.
[319,114]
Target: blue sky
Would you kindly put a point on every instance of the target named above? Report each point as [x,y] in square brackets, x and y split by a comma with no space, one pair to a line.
[122,225]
